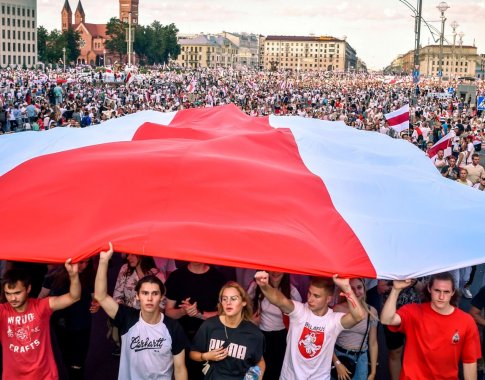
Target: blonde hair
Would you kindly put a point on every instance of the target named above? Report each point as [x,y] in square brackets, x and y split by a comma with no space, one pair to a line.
[247,310]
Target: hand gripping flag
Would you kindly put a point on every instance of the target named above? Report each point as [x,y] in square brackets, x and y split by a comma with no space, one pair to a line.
[217,186]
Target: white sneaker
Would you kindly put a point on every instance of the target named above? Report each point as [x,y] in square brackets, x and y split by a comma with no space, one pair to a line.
[466,293]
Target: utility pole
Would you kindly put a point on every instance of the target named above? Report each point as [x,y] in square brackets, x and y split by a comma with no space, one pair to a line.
[129,39]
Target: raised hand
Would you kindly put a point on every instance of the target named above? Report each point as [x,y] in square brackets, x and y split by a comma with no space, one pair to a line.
[262,278]
[72,269]
[106,255]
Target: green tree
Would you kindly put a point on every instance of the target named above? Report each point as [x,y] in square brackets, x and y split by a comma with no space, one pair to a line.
[72,43]
[42,39]
[155,42]
[54,47]
[116,33]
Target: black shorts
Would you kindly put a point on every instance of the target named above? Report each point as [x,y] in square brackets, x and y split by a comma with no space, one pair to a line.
[394,340]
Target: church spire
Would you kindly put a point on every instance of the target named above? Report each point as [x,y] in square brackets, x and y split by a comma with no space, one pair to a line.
[79,16]
[66,16]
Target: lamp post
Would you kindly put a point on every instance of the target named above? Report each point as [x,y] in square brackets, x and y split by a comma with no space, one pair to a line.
[442,7]
[64,58]
[454,25]
[104,57]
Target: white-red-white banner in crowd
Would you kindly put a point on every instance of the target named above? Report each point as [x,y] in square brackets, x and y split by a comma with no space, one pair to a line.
[217,186]
[399,119]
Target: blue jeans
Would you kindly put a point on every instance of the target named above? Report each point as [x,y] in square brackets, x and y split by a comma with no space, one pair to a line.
[361,369]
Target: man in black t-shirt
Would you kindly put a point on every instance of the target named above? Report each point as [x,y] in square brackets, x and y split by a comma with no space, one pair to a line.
[192,297]
[153,345]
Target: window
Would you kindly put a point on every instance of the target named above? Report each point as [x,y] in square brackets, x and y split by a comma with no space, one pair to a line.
[33,15]
[8,21]
[23,12]
[28,14]
[8,10]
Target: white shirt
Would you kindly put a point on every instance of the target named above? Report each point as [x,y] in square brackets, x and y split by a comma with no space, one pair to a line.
[310,343]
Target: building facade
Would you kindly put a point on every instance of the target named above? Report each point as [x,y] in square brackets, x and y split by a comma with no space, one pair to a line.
[458,61]
[308,53]
[248,48]
[206,50]
[93,36]
[18,45]
[127,7]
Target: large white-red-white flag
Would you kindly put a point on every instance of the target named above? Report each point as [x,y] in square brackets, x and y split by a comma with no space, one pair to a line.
[217,186]
[399,119]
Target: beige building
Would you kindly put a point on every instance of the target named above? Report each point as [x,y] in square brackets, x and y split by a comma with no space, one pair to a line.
[248,48]
[18,45]
[207,51]
[458,61]
[308,53]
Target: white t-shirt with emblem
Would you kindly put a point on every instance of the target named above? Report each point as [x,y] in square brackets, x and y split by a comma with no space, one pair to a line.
[310,343]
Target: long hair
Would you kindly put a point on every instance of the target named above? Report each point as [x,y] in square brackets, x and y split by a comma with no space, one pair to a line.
[285,288]
[247,311]
[147,263]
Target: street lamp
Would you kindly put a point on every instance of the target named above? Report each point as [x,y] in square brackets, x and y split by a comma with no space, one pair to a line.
[104,57]
[454,25]
[64,58]
[442,7]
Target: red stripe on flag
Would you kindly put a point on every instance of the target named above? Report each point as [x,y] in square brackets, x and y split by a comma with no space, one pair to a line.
[433,151]
[398,119]
[240,198]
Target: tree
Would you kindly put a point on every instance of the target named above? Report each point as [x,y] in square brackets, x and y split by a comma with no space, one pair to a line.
[155,42]
[42,38]
[116,33]
[72,42]
[50,45]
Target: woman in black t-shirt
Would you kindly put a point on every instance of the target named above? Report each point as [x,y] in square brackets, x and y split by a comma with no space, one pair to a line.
[230,343]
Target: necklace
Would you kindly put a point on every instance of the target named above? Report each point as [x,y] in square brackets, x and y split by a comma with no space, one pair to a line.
[225,328]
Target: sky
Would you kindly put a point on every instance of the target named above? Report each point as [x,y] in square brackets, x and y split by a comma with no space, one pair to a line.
[379,30]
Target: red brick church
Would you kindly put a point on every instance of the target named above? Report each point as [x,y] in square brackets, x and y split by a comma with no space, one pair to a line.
[93,36]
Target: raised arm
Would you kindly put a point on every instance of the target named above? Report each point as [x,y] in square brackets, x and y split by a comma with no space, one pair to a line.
[388,314]
[74,295]
[357,312]
[273,295]
[109,305]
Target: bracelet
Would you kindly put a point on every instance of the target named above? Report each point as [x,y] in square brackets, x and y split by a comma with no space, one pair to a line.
[202,357]
[337,362]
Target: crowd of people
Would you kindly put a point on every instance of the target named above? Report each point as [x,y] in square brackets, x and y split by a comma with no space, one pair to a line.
[197,321]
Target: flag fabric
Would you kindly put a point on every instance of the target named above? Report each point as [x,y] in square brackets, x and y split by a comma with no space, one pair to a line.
[443,143]
[191,86]
[130,77]
[217,186]
[399,119]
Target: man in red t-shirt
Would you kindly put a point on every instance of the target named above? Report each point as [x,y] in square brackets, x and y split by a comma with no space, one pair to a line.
[438,334]
[24,326]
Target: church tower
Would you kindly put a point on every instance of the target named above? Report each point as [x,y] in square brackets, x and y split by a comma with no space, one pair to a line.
[79,16]
[127,6]
[66,16]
